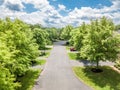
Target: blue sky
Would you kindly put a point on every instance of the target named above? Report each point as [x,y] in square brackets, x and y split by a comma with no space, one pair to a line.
[59,13]
[29,8]
[71,4]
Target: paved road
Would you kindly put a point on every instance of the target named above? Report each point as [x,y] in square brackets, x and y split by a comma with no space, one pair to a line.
[58,74]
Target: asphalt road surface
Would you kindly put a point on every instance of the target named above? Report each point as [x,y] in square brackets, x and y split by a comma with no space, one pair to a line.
[58,74]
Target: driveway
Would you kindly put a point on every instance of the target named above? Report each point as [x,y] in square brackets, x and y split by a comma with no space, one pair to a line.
[58,74]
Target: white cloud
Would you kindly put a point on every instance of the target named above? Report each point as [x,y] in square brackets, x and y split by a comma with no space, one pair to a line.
[15,3]
[61,7]
[37,3]
[47,15]
[87,13]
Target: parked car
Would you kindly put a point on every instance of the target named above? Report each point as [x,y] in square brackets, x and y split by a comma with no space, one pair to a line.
[72,49]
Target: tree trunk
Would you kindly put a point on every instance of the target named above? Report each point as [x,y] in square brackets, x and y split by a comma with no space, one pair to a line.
[97,64]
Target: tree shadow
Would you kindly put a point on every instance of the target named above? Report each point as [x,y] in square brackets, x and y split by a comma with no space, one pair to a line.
[28,80]
[108,78]
[60,43]
[84,60]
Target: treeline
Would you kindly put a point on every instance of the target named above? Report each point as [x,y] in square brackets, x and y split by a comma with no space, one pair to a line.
[20,44]
[95,41]
[19,47]
[117,27]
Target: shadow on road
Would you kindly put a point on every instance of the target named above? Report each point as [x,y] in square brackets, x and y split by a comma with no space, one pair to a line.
[60,43]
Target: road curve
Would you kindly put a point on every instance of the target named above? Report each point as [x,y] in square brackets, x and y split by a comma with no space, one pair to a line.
[58,74]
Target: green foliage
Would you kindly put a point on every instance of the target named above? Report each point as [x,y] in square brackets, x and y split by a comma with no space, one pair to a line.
[73,35]
[7,79]
[35,26]
[18,49]
[117,27]
[41,37]
[77,36]
[68,47]
[100,43]
[66,32]
[107,80]
[44,36]
[46,54]
[117,64]
[96,41]
[39,62]
[28,80]
[53,34]
[74,56]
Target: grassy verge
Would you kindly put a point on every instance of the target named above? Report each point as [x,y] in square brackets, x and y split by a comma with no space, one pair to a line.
[39,62]
[48,48]
[74,56]
[68,47]
[45,55]
[107,80]
[28,80]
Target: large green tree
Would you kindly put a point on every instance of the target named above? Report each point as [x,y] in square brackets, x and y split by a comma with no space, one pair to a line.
[18,49]
[41,37]
[100,43]
[77,36]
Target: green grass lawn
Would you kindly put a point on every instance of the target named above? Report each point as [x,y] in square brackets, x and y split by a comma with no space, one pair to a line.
[107,80]
[74,56]
[28,80]
[68,47]
[39,62]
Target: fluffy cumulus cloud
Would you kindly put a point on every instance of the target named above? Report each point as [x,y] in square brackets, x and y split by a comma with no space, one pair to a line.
[49,16]
[85,14]
[61,7]
[14,5]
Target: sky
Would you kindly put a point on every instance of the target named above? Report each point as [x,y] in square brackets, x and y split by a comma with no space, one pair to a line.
[59,13]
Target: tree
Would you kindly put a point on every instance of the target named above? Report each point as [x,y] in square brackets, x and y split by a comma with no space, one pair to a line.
[53,34]
[77,36]
[73,35]
[35,26]
[117,27]
[41,37]
[66,32]
[6,77]
[18,49]
[100,43]
[20,40]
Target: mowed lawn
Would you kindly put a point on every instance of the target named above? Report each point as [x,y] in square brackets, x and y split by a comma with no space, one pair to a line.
[74,56]
[106,80]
